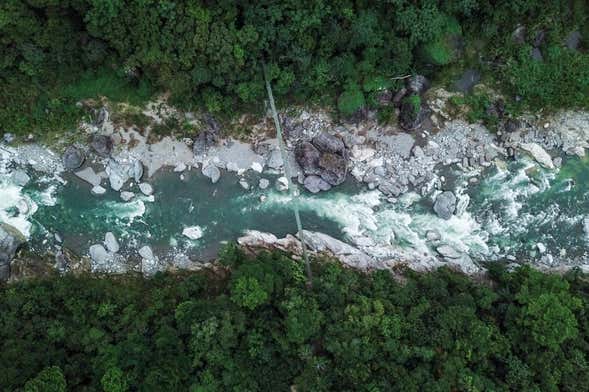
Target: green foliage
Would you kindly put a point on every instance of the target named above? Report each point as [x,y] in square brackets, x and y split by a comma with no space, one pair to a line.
[209,54]
[114,381]
[256,326]
[351,100]
[414,102]
[106,83]
[248,292]
[48,380]
[561,80]
[437,53]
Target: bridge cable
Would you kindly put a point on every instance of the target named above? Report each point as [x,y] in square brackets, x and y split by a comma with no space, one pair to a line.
[292,188]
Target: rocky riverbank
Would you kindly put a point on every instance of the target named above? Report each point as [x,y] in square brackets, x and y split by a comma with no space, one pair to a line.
[322,153]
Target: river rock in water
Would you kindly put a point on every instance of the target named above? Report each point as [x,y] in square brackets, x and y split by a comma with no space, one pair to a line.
[126,196]
[20,177]
[264,183]
[212,172]
[98,190]
[538,153]
[146,188]
[315,184]
[73,158]
[117,175]
[89,175]
[10,240]
[445,205]
[111,242]
[193,232]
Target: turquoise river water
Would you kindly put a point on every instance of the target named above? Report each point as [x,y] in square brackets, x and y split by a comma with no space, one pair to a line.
[511,209]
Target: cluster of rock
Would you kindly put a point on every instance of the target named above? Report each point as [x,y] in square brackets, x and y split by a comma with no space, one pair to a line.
[106,258]
[565,131]
[323,161]
[316,243]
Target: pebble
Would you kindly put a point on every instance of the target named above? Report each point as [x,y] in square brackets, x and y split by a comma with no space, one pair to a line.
[541,247]
[111,243]
[257,167]
[264,183]
[244,184]
[180,168]
[98,190]
[126,196]
[146,253]
[146,188]
[282,184]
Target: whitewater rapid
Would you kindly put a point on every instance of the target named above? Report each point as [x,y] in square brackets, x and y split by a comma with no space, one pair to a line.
[512,211]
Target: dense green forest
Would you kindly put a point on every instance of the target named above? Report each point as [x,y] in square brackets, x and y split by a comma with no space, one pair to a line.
[253,325]
[338,53]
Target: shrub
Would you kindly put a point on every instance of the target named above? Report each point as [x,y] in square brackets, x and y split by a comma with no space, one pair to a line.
[351,100]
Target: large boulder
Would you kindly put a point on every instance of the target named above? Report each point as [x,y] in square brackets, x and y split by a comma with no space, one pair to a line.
[307,156]
[333,168]
[538,153]
[73,158]
[102,117]
[117,174]
[89,175]
[103,260]
[102,145]
[326,142]
[212,172]
[445,205]
[10,240]
[111,243]
[324,158]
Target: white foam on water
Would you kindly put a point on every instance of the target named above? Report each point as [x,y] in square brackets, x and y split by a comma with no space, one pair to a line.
[393,228]
[126,210]
[10,199]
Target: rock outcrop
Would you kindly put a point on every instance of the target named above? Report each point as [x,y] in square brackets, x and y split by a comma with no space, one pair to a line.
[324,158]
[102,145]
[412,111]
[10,240]
[73,158]
[538,153]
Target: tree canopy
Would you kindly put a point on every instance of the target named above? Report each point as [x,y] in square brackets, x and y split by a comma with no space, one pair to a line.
[254,325]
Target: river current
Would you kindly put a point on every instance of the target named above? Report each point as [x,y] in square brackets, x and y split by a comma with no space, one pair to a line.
[511,209]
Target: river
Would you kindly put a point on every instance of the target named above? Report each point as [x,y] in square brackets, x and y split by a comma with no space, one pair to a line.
[514,210]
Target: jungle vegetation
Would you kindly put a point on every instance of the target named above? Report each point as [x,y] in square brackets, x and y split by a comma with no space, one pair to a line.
[252,324]
[339,53]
